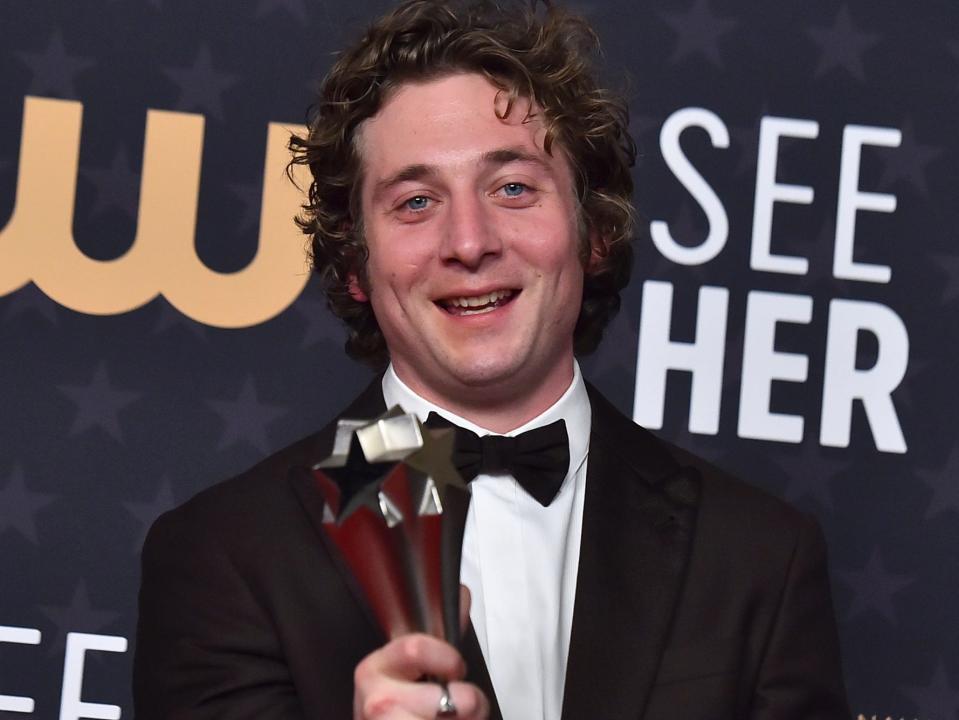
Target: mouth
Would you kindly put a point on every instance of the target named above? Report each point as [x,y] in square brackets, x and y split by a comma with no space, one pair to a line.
[477,304]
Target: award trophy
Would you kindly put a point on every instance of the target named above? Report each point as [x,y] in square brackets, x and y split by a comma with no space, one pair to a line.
[395,508]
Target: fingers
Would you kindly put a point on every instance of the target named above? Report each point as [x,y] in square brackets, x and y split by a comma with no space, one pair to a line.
[421,701]
[386,688]
[411,657]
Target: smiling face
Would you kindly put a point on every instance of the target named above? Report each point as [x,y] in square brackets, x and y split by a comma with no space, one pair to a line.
[474,269]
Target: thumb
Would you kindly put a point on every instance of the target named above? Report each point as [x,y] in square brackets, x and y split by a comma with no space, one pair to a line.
[464,607]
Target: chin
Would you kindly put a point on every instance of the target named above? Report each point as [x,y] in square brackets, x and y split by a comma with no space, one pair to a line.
[485,372]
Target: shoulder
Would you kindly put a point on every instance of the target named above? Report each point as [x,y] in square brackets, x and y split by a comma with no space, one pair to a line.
[729,505]
[259,500]
[236,520]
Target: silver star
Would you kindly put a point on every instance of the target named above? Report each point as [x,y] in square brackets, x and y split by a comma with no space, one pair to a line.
[434,461]
[356,475]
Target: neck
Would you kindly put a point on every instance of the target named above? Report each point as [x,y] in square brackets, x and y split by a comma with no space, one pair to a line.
[498,408]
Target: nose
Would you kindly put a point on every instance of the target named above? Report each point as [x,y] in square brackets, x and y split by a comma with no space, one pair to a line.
[470,237]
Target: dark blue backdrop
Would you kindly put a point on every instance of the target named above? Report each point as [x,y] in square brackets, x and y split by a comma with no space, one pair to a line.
[109,419]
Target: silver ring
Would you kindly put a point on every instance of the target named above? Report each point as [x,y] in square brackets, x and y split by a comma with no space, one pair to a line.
[446,706]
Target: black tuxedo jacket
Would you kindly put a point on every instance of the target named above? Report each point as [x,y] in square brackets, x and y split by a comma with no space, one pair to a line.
[698,597]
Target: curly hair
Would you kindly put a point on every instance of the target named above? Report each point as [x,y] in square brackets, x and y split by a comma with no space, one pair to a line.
[541,56]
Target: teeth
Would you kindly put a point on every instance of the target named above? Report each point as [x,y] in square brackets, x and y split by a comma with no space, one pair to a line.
[479,300]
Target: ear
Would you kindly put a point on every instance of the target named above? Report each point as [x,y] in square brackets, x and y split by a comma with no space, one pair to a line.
[355,290]
[597,252]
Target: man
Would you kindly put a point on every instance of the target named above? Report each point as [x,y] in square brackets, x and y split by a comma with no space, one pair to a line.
[470,216]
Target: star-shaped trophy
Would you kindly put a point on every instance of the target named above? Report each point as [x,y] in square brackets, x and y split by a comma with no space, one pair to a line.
[395,509]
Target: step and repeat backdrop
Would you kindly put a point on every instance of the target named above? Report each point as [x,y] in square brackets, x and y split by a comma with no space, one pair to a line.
[792,315]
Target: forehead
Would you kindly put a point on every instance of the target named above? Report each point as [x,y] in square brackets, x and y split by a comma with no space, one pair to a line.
[448,123]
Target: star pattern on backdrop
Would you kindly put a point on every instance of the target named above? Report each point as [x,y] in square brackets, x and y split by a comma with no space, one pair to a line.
[251,196]
[19,505]
[294,8]
[746,139]
[321,325]
[842,45]
[949,264]
[146,512]
[78,616]
[688,231]
[698,32]
[953,48]
[944,483]
[245,418]
[608,361]
[873,588]
[820,280]
[938,699]
[117,187]
[168,317]
[30,302]
[810,474]
[641,125]
[201,85]
[857,53]
[98,404]
[908,162]
[54,69]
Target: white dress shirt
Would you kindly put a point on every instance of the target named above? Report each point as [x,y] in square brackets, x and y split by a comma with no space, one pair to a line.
[520,560]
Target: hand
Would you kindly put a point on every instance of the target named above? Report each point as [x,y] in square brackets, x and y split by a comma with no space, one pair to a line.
[385,681]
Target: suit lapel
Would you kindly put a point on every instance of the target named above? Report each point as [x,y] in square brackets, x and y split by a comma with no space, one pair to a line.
[367,405]
[638,520]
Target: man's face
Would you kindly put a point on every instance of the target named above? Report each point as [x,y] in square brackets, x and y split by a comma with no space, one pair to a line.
[474,267]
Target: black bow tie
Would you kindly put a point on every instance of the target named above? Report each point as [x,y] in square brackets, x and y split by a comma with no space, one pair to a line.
[538,459]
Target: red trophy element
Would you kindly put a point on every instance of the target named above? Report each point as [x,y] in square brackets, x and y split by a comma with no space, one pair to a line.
[395,509]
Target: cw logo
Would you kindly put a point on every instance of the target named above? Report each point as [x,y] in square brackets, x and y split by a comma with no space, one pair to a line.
[37,243]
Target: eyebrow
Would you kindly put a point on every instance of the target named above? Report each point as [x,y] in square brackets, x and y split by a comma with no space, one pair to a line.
[419,171]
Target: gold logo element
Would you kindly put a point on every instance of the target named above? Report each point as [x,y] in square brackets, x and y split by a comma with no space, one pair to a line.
[37,243]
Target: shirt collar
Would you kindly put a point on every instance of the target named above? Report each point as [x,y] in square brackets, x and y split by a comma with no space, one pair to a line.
[573,407]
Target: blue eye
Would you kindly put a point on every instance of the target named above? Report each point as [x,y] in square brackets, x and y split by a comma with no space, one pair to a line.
[514,189]
[417,203]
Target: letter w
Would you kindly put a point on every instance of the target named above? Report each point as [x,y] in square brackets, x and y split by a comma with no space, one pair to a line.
[37,244]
